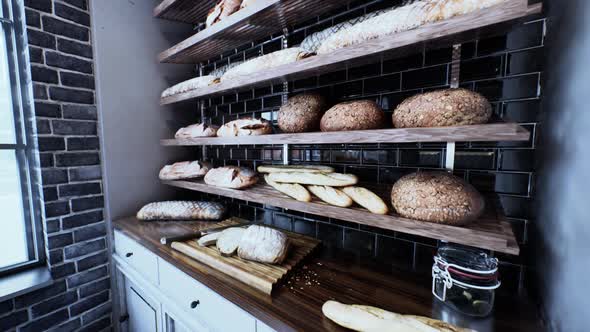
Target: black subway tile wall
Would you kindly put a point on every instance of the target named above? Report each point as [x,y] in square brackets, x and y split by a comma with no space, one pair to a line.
[506,68]
[75,231]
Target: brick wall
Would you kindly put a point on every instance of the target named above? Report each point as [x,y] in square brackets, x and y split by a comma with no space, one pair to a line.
[506,68]
[62,70]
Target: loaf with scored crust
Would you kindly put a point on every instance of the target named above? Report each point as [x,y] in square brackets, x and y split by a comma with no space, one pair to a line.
[181,210]
[263,244]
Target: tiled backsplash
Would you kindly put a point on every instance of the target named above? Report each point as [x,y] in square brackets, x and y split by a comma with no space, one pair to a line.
[506,69]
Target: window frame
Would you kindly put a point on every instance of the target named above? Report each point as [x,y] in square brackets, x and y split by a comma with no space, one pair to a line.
[12,19]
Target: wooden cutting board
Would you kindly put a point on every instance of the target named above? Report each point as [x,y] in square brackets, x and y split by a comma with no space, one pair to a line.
[261,276]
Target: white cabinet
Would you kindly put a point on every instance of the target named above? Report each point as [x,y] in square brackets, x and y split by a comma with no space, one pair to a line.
[142,316]
[154,295]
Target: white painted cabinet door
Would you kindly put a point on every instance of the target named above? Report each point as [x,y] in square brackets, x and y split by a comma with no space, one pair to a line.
[142,317]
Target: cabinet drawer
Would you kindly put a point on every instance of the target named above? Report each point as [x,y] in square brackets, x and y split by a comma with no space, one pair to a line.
[137,256]
[210,308]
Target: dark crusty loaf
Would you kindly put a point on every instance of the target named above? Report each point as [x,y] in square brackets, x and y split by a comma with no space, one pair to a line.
[437,197]
[302,113]
[354,115]
[451,107]
[181,210]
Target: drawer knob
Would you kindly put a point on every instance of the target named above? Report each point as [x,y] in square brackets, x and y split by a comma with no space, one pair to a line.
[194,304]
[129,254]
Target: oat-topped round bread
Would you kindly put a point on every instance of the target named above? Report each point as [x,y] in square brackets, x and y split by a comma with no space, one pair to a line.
[302,113]
[451,107]
[354,115]
[437,197]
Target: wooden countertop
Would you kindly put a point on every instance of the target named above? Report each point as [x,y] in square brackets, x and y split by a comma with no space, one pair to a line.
[333,275]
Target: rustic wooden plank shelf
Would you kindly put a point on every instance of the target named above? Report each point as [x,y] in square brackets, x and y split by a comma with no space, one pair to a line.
[186,11]
[493,132]
[258,20]
[491,231]
[455,30]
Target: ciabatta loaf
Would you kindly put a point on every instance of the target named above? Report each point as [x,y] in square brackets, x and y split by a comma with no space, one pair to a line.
[192,84]
[185,170]
[367,199]
[245,127]
[295,169]
[404,18]
[181,210]
[294,190]
[197,130]
[263,244]
[262,63]
[331,195]
[319,179]
[231,177]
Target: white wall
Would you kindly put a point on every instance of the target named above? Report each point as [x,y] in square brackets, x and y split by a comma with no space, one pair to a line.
[564,204]
[129,79]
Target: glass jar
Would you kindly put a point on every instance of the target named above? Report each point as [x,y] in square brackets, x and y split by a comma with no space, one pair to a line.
[465,279]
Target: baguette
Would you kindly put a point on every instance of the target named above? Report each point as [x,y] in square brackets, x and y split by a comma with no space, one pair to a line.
[318,179]
[371,319]
[331,195]
[294,190]
[366,199]
[262,63]
[295,169]
[181,210]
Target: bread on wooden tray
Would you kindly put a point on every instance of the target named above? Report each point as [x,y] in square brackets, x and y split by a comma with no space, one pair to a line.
[197,130]
[331,195]
[228,241]
[403,18]
[451,107]
[437,197]
[209,239]
[367,199]
[294,190]
[319,179]
[372,319]
[295,169]
[263,244]
[231,177]
[245,127]
[354,115]
[181,210]
[257,65]
[302,113]
[222,10]
[185,170]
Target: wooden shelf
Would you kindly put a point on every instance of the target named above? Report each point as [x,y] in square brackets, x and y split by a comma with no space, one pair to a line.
[455,30]
[186,11]
[259,20]
[491,231]
[493,132]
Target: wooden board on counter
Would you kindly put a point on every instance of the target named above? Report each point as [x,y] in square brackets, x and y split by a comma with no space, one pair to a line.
[458,29]
[258,20]
[261,276]
[491,231]
[492,132]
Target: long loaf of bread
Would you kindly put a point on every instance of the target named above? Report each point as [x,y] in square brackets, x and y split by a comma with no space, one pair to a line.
[367,199]
[181,210]
[318,179]
[295,169]
[331,195]
[294,190]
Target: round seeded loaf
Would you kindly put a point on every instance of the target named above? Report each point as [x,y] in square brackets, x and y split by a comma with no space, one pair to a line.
[451,107]
[437,197]
[302,113]
[354,115]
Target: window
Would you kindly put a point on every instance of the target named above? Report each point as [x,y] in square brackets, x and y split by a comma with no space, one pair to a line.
[20,191]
